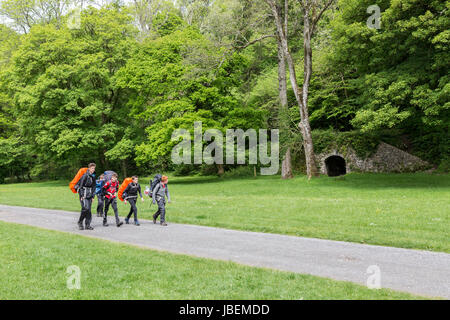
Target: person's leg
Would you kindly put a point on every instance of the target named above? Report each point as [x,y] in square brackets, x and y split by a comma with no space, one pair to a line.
[156,215]
[88,214]
[131,210]
[105,214]
[82,215]
[134,208]
[162,210]
[100,205]
[116,212]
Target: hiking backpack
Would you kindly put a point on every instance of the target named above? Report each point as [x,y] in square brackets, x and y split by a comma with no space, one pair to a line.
[153,183]
[122,188]
[107,175]
[73,185]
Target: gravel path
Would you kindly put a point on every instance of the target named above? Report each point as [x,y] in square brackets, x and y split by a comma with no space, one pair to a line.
[419,272]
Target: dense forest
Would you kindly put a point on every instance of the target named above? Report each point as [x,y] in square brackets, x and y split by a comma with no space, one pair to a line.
[111,81]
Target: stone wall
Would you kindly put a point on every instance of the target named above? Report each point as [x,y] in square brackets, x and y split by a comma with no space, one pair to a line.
[387,158]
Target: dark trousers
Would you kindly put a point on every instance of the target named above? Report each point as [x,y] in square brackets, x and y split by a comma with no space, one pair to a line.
[113,203]
[86,214]
[161,210]
[133,208]
[101,204]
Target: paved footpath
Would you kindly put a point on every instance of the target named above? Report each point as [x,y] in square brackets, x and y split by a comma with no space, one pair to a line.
[419,272]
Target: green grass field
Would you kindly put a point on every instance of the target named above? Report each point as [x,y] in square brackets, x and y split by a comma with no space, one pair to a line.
[35,261]
[401,210]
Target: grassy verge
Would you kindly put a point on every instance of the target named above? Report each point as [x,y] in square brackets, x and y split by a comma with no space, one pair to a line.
[34,264]
[401,210]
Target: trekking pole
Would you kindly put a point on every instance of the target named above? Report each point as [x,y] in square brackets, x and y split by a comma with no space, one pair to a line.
[151,202]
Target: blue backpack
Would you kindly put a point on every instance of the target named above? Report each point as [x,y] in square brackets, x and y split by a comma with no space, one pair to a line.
[99,185]
[107,175]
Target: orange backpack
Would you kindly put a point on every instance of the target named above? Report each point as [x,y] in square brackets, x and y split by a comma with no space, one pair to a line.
[123,186]
[77,178]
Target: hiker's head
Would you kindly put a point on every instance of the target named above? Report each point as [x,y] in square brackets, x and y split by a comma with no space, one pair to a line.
[91,167]
[114,178]
[102,176]
[135,179]
[164,179]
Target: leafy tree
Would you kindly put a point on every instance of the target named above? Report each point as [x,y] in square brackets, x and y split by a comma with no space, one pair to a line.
[312,14]
[169,94]
[392,78]
[67,104]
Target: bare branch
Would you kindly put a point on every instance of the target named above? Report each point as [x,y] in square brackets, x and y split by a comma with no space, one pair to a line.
[254,41]
[286,10]
[317,18]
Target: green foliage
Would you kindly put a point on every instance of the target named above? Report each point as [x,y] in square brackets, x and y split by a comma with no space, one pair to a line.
[363,144]
[394,77]
[15,158]
[66,103]
[108,93]
[167,22]
[167,97]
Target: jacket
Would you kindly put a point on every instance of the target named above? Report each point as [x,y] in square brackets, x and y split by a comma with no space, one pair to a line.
[87,186]
[160,192]
[110,189]
[132,190]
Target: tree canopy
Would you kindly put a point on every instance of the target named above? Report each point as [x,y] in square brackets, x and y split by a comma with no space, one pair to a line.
[113,89]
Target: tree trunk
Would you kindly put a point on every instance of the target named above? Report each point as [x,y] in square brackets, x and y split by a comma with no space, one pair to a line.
[220,169]
[311,168]
[286,165]
[308,145]
[124,168]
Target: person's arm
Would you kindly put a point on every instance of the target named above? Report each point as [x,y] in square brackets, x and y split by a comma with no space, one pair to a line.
[167,193]
[140,192]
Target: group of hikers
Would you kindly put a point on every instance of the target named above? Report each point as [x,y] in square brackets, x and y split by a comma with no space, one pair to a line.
[107,191]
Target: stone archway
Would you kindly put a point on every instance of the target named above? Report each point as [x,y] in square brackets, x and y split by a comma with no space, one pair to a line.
[335,166]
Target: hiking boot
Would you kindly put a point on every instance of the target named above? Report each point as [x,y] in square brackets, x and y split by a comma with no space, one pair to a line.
[80,226]
[127,221]
[137,223]
[105,224]
[164,224]
[89,228]
[119,224]
[154,220]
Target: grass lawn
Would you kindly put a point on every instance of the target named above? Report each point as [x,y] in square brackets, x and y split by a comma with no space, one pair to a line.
[401,210]
[34,264]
